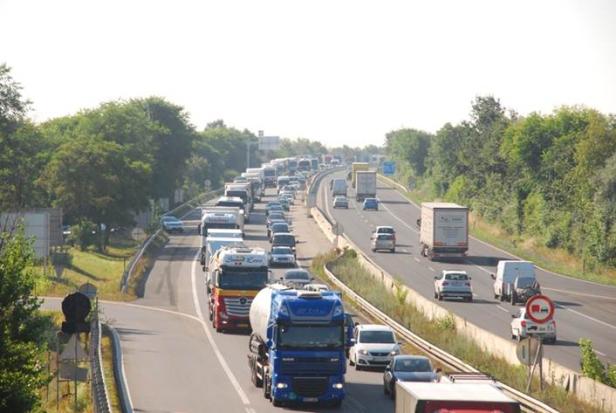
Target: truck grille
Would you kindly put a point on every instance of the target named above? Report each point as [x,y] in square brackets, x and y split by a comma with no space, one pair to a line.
[310,386]
[238,306]
[308,365]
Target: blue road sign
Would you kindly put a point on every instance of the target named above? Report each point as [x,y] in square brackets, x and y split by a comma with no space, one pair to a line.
[389,168]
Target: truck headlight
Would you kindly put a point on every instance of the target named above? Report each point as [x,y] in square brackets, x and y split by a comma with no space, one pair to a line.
[337,385]
[282,385]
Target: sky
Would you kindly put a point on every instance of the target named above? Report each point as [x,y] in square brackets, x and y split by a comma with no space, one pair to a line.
[341,72]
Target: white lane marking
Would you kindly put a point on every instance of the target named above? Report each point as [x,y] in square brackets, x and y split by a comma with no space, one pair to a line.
[396,217]
[219,356]
[600,353]
[416,259]
[581,294]
[431,269]
[586,316]
[502,308]
[404,250]
[250,410]
[483,269]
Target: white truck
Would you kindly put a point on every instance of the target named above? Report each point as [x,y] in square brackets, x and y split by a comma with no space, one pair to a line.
[241,190]
[515,281]
[220,217]
[210,245]
[339,187]
[420,397]
[443,230]
[365,185]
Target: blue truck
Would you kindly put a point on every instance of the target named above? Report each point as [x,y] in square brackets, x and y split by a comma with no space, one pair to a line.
[297,347]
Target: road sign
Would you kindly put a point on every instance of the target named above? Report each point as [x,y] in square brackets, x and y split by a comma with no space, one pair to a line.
[540,309]
[389,168]
[68,371]
[269,143]
[526,350]
[73,350]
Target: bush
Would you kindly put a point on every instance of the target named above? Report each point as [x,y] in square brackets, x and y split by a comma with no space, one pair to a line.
[83,234]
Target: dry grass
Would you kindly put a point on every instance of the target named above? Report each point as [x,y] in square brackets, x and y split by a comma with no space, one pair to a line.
[110,383]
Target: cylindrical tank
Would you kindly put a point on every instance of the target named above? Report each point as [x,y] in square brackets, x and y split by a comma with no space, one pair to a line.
[260,314]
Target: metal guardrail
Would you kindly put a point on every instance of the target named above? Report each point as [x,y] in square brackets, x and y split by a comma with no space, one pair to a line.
[144,246]
[528,403]
[100,397]
[126,403]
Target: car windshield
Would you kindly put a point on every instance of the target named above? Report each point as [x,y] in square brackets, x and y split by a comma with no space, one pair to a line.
[282,250]
[288,240]
[297,275]
[526,282]
[386,230]
[413,364]
[377,336]
[308,336]
[370,201]
[456,277]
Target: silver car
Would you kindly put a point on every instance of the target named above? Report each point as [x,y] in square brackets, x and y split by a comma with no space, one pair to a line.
[383,241]
[453,283]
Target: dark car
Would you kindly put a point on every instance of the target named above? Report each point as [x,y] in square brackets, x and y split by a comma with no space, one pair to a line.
[275,216]
[407,368]
[297,278]
[284,239]
[277,227]
[523,288]
[370,203]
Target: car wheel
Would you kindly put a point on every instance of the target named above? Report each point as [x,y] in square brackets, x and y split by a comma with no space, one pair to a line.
[469,299]
[512,299]
[393,250]
[440,297]
[357,367]
[373,249]
[385,389]
[435,295]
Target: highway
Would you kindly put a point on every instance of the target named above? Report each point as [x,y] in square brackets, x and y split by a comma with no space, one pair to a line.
[176,362]
[584,309]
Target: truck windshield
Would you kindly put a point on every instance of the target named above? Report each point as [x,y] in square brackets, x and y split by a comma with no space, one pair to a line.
[526,282]
[269,172]
[310,336]
[230,204]
[243,278]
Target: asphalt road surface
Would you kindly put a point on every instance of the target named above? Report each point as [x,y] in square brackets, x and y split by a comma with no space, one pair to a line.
[175,362]
[584,309]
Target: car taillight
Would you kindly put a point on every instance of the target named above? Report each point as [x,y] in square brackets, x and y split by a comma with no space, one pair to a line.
[523,323]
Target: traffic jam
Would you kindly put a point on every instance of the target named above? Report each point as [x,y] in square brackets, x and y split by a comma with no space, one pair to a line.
[301,336]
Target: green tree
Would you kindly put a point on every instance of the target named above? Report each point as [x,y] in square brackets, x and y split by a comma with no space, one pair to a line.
[22,338]
[13,106]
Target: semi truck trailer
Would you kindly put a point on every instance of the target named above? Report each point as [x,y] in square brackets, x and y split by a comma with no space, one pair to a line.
[443,230]
[365,185]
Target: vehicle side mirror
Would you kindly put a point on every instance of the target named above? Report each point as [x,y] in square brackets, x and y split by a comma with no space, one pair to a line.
[493,276]
[513,316]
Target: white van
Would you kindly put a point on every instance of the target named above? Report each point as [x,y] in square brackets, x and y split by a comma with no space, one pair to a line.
[506,274]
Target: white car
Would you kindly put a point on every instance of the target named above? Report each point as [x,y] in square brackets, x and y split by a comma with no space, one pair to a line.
[453,283]
[373,346]
[522,326]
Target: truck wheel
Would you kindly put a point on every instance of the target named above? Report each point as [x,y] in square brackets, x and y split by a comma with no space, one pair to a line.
[469,299]
[501,297]
[393,250]
[357,367]
[266,387]
[277,403]
[258,382]
[336,404]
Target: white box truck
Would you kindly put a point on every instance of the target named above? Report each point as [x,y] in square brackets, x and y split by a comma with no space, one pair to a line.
[365,185]
[418,397]
[443,230]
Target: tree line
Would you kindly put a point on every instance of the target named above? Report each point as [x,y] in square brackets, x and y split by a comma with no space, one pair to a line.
[551,177]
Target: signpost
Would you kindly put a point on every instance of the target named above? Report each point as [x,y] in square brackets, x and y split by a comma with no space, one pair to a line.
[540,310]
[389,168]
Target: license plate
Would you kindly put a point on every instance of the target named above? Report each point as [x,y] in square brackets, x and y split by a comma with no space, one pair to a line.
[310,399]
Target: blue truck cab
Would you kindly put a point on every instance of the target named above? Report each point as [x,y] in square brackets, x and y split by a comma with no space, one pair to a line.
[297,348]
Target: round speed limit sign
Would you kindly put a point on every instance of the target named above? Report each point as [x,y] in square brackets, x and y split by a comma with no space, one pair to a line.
[540,309]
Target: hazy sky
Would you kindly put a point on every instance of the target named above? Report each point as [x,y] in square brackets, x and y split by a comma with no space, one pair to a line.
[332,70]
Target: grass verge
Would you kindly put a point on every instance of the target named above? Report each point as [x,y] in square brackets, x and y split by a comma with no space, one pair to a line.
[104,270]
[110,383]
[553,259]
[442,333]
